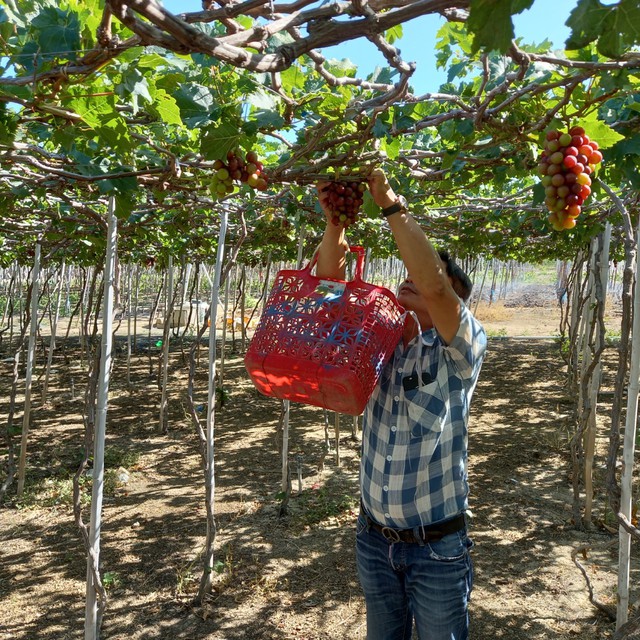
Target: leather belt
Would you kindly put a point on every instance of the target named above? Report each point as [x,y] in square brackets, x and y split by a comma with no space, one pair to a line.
[428,533]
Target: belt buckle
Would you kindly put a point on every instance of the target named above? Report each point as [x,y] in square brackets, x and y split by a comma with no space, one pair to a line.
[390,534]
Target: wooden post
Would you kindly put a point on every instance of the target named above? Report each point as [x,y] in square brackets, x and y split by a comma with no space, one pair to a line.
[92,619]
[33,327]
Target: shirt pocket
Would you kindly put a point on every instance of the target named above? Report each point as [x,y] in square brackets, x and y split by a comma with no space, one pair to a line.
[425,409]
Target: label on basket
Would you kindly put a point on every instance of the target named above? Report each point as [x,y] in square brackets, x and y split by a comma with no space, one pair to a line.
[329,289]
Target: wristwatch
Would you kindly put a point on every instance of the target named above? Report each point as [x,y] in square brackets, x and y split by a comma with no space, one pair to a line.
[399,205]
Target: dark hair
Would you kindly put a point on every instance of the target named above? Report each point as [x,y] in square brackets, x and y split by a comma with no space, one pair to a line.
[461,282]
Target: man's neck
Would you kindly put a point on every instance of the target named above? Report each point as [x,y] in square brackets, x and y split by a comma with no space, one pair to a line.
[411,328]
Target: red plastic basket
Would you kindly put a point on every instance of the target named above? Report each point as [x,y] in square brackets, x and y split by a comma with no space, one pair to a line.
[324,342]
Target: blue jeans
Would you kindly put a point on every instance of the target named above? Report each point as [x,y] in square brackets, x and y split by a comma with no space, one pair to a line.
[406,582]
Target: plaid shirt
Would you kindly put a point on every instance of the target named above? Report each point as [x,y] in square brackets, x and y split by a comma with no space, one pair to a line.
[414,450]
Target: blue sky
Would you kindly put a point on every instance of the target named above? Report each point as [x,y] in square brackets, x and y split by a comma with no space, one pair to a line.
[545,19]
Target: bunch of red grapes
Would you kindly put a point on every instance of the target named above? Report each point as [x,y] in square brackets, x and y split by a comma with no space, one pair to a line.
[248,170]
[344,200]
[566,164]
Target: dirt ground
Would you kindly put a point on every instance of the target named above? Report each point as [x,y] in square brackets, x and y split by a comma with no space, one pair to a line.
[293,577]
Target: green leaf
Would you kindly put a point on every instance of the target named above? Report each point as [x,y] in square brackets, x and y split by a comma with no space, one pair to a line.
[331,106]
[6,26]
[342,67]
[585,22]
[268,119]
[293,79]
[7,16]
[93,109]
[165,107]
[538,193]
[602,133]
[115,133]
[620,29]
[393,34]
[57,32]
[152,61]
[132,86]
[89,15]
[629,21]
[196,104]
[626,147]
[392,147]
[369,207]
[380,128]
[491,24]
[218,139]
[125,200]
[384,75]
[448,159]
[8,124]
[262,100]
[452,33]
[634,106]
[458,70]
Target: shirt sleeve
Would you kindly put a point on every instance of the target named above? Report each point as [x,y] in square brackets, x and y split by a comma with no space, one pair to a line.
[468,347]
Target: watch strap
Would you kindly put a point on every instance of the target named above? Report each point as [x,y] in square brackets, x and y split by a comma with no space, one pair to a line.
[398,205]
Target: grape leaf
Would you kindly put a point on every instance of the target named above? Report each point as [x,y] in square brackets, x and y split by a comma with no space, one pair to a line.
[115,133]
[293,78]
[267,119]
[218,139]
[92,109]
[393,34]
[342,67]
[57,32]
[196,104]
[380,128]
[11,18]
[615,28]
[8,124]
[6,28]
[602,133]
[165,107]
[263,100]
[620,29]
[392,147]
[629,146]
[133,85]
[491,24]
[89,14]
[634,106]
[585,22]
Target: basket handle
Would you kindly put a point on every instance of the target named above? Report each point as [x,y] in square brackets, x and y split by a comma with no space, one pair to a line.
[359,261]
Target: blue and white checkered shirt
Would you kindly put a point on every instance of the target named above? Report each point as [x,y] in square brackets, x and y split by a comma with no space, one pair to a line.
[414,451]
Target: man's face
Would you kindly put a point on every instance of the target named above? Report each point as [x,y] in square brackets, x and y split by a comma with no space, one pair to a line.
[412,300]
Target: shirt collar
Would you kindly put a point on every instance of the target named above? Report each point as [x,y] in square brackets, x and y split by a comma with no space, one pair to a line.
[427,338]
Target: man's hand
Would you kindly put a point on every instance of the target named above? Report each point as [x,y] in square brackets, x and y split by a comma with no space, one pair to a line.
[332,249]
[383,194]
[323,199]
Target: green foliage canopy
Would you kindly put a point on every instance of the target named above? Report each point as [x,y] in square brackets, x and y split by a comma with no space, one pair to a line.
[100,100]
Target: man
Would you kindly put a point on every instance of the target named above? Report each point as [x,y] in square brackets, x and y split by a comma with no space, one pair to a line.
[412,548]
